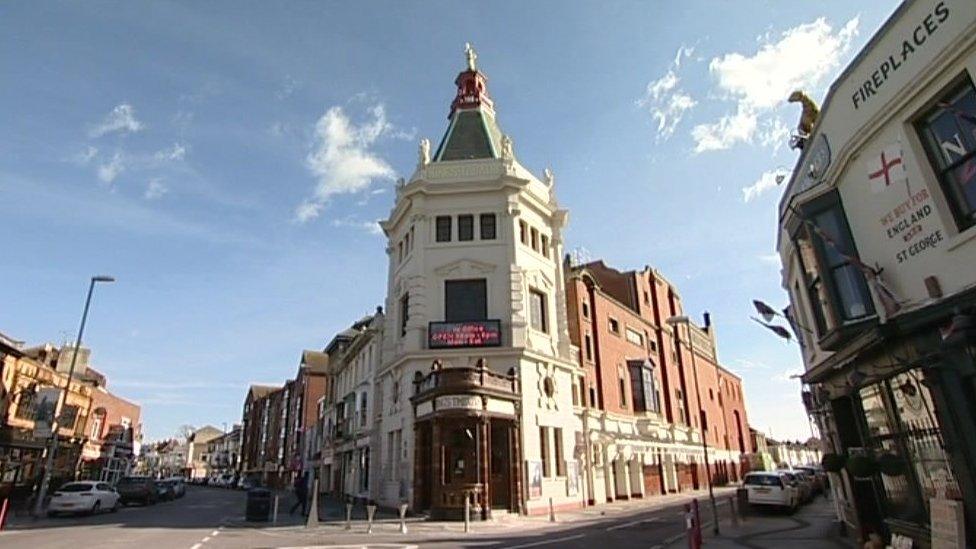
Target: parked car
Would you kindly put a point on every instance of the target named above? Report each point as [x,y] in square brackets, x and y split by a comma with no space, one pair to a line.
[771,488]
[817,475]
[806,479]
[137,490]
[226,480]
[179,486]
[83,497]
[165,490]
[802,488]
[246,483]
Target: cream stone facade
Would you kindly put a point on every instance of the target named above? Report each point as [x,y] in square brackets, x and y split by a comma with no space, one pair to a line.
[471,213]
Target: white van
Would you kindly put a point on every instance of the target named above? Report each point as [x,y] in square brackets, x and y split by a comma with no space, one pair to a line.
[771,488]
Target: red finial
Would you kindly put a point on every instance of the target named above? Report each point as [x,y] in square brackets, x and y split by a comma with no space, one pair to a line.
[472,86]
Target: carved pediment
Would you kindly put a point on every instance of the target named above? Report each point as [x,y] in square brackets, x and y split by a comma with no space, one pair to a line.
[465,267]
[539,279]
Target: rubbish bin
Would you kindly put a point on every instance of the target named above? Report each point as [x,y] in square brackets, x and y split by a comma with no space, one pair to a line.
[258,505]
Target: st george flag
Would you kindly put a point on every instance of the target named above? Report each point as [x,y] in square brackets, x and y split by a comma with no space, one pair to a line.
[886,168]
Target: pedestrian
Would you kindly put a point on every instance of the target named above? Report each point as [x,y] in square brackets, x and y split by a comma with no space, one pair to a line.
[301,495]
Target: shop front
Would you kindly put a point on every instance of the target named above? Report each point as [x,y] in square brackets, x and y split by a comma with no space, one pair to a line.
[466,443]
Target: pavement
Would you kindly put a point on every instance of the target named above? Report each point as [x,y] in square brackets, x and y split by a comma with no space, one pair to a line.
[212,518]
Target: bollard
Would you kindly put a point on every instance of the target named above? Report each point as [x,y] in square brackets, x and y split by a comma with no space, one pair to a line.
[734,512]
[467,514]
[274,514]
[370,512]
[348,516]
[403,519]
[552,511]
[313,511]
[3,513]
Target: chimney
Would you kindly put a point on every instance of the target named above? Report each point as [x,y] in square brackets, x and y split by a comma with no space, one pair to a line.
[708,320]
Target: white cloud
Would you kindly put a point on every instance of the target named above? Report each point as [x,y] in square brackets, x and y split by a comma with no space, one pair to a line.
[121,119]
[371,227]
[767,181]
[176,152]
[155,189]
[343,159]
[800,59]
[665,100]
[108,172]
[85,156]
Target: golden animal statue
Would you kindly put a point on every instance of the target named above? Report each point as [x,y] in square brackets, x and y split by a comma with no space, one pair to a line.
[810,112]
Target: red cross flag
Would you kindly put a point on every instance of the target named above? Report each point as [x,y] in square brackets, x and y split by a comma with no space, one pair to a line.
[886,168]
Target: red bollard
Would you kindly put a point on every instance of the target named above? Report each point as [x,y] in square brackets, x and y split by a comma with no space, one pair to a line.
[3,513]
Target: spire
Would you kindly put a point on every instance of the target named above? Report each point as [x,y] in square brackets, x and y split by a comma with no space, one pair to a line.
[473,132]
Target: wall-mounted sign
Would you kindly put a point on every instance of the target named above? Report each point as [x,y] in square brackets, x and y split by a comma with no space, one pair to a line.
[815,164]
[459,402]
[470,333]
[533,469]
[46,401]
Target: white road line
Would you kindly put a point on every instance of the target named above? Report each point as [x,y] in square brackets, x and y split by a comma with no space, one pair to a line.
[545,542]
[214,533]
[205,540]
[632,523]
[196,546]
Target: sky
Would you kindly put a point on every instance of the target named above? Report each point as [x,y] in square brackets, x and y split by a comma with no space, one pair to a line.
[227,163]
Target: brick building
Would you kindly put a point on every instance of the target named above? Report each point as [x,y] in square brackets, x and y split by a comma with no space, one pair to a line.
[639,392]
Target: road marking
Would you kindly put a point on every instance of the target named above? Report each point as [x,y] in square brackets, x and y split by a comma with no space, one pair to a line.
[632,523]
[214,533]
[205,540]
[545,542]
[196,546]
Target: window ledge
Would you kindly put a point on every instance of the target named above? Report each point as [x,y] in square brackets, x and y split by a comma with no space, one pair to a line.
[835,338]
[961,238]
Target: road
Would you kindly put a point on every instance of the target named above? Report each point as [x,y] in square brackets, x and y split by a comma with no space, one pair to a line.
[211,518]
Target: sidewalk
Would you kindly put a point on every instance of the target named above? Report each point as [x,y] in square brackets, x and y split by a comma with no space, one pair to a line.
[812,526]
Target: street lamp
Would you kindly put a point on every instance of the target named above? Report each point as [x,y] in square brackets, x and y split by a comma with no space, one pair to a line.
[674,321]
[62,398]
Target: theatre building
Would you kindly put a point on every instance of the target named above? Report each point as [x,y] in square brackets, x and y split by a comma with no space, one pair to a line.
[878,243]
[475,392]
[640,388]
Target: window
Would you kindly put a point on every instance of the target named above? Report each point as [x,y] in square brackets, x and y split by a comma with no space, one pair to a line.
[592,397]
[443,228]
[589,346]
[949,135]
[400,252]
[544,245]
[557,434]
[827,253]
[465,227]
[488,227]
[586,310]
[96,430]
[537,310]
[647,298]
[634,337]
[27,404]
[404,313]
[576,393]
[535,239]
[465,300]
[544,451]
[643,387]
[523,232]
[68,417]
[614,325]
[622,387]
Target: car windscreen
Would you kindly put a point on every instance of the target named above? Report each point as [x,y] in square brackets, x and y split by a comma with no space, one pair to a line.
[75,488]
[763,480]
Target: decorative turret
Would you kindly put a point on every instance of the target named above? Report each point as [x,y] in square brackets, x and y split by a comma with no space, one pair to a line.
[473,132]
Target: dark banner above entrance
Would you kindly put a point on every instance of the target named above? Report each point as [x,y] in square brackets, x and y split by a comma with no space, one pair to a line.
[470,333]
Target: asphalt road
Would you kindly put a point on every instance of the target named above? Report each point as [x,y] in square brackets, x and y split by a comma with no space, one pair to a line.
[211,518]
[177,524]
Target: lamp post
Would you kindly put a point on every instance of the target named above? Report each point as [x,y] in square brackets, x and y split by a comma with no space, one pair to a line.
[674,321]
[62,398]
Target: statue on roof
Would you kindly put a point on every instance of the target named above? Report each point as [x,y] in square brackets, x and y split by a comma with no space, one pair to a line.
[507,153]
[808,118]
[424,153]
[471,55]
[549,177]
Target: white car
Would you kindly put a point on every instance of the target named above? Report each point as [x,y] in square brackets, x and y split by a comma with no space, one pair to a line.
[83,497]
[771,488]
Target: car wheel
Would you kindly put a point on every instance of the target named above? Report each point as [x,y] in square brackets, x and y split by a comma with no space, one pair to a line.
[96,508]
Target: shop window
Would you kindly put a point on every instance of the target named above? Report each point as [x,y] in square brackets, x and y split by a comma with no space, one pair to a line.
[948,133]
[465,300]
[465,227]
[443,224]
[488,228]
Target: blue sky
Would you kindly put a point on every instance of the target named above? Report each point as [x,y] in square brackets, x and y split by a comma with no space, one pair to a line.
[227,162]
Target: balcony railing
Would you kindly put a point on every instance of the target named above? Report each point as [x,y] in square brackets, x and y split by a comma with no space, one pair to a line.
[465,379]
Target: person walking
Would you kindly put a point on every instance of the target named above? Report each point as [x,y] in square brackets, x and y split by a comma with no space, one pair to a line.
[301,494]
